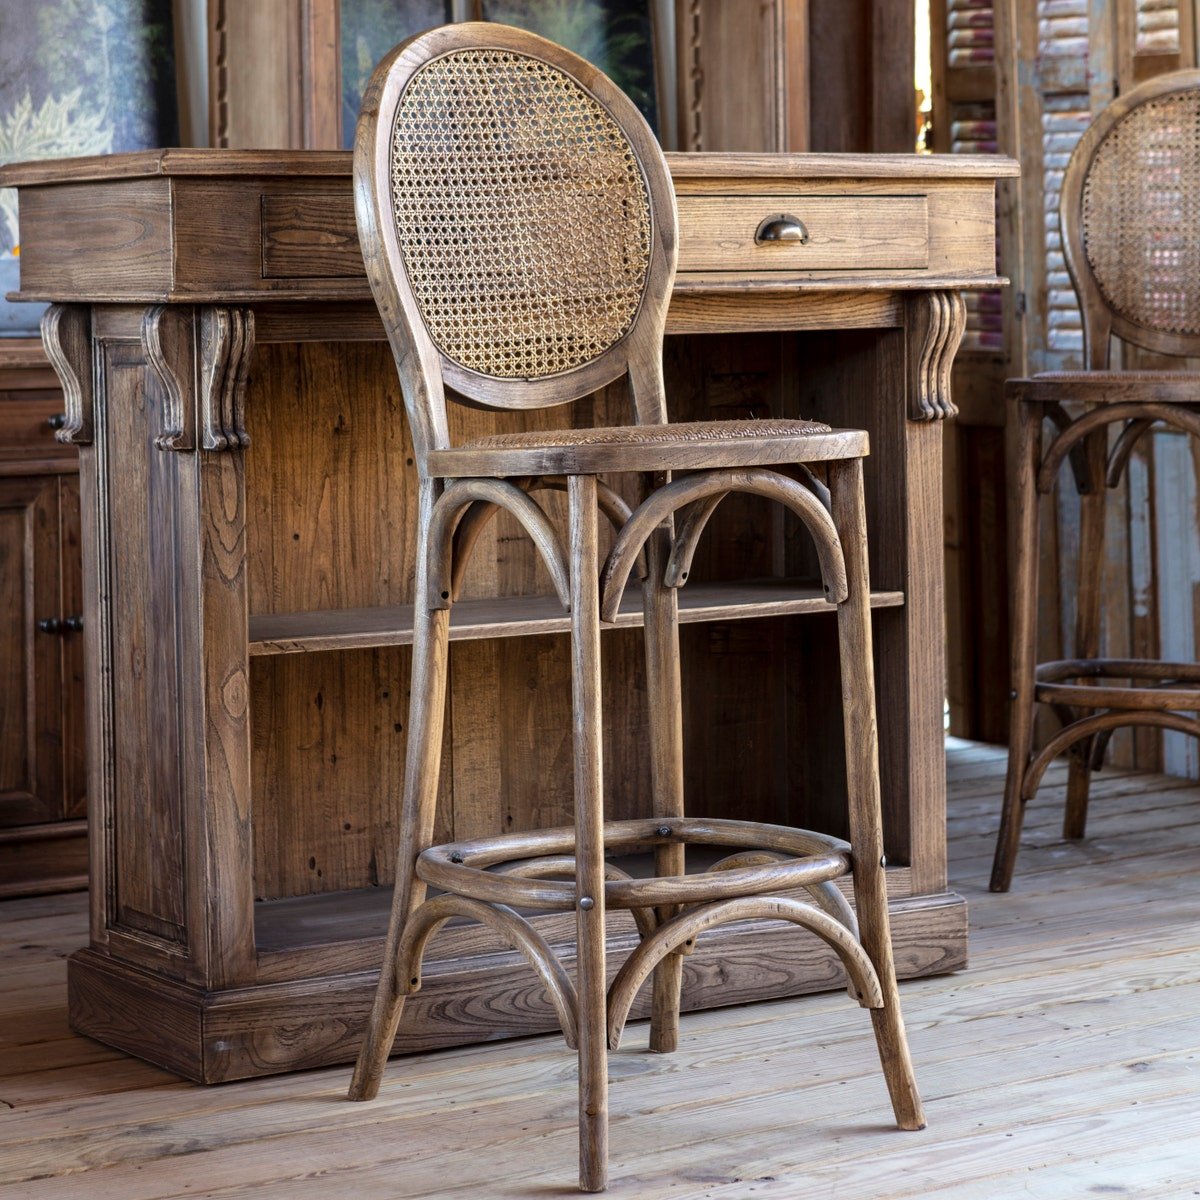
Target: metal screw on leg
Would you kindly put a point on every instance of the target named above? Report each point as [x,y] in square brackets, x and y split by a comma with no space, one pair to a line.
[586,902]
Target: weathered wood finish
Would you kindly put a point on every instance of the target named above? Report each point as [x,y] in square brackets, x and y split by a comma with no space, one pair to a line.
[1081,407]
[460,487]
[274,74]
[862,233]
[1026,79]
[1089,1025]
[861,56]
[42,789]
[286,228]
[322,506]
[741,76]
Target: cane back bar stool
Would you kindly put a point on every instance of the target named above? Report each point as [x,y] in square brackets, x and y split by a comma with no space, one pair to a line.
[1130,215]
[519,231]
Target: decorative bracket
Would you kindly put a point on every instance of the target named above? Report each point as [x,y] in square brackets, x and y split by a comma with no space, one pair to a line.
[67,338]
[170,349]
[226,344]
[202,358]
[937,321]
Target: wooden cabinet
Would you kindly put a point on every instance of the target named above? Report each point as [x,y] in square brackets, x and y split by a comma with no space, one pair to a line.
[729,76]
[741,75]
[249,501]
[42,786]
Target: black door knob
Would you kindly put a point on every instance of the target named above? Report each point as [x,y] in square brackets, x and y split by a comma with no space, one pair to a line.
[57,421]
[73,624]
[50,625]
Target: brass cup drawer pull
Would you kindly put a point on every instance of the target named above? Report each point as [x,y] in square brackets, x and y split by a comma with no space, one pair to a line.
[780,227]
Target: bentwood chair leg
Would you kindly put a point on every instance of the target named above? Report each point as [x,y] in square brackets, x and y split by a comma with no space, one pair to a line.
[663,693]
[1087,622]
[1022,485]
[427,702]
[862,779]
[591,985]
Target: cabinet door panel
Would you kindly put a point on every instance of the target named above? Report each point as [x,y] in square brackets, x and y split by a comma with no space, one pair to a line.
[74,731]
[30,660]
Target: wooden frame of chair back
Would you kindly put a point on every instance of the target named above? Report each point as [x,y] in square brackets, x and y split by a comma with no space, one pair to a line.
[424,368]
[1101,317]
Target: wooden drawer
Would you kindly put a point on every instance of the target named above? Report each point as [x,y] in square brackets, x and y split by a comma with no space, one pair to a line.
[25,427]
[310,236]
[844,233]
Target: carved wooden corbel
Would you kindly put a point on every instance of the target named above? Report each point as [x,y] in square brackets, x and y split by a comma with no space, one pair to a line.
[67,338]
[226,345]
[169,345]
[202,358]
[937,321]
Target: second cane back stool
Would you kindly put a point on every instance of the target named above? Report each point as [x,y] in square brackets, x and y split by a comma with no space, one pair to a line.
[519,231]
[1130,217]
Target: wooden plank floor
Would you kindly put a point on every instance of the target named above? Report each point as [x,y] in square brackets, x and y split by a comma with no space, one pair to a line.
[1064,1063]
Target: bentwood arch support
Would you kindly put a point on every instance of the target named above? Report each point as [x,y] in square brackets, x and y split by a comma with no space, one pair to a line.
[519,231]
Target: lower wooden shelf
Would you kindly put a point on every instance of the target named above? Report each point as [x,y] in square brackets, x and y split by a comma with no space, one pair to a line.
[526,616]
[472,992]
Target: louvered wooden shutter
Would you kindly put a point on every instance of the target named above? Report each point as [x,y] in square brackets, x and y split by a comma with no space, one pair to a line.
[1061,49]
[1155,36]
[964,122]
[1075,56]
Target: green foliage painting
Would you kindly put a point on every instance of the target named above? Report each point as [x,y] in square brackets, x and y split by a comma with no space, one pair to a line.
[613,34]
[369,29]
[78,77]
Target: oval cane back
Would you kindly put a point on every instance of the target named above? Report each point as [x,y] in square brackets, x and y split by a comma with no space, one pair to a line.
[1130,211]
[517,218]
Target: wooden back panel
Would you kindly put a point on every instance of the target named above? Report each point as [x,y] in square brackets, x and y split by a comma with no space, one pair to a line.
[1130,210]
[518,226]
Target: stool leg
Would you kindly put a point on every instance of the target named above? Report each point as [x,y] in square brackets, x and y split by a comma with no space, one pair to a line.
[587,721]
[427,706]
[1022,485]
[663,695]
[862,779]
[1087,622]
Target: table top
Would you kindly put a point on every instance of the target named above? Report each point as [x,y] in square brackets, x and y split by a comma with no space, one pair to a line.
[142,164]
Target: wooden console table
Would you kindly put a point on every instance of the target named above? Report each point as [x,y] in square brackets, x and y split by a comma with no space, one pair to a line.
[247,513]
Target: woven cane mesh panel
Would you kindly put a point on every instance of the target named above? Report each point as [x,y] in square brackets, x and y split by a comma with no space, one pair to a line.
[521,212]
[1141,214]
[684,431]
[1113,377]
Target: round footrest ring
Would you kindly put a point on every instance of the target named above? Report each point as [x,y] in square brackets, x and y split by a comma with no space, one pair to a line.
[1174,687]
[462,867]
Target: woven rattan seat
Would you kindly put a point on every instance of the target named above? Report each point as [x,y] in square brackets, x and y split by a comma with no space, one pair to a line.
[1130,210]
[690,445]
[630,435]
[1131,387]
[519,231]
[1108,378]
